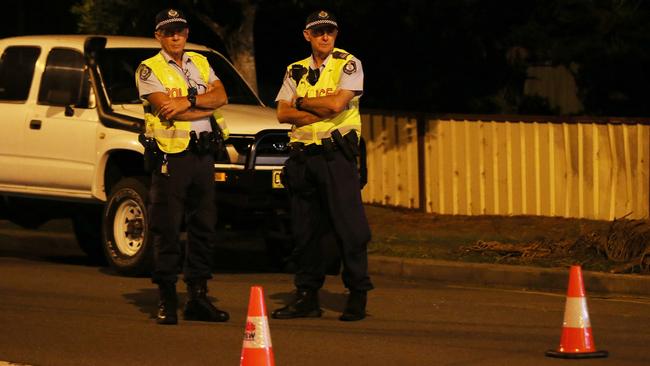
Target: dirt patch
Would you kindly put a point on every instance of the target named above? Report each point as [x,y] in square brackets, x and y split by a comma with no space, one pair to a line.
[619,246]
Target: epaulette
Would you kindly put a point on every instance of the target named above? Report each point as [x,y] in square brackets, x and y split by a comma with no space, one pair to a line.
[341,55]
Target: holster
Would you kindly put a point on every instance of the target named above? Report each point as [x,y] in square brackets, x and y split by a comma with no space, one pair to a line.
[344,145]
[353,150]
[152,152]
[353,142]
[220,153]
[205,143]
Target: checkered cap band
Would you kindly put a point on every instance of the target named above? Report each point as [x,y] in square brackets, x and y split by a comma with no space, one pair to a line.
[168,21]
[321,22]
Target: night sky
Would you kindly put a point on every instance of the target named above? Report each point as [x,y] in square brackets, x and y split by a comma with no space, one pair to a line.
[438,56]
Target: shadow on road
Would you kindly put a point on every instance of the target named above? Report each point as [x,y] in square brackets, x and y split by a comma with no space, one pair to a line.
[237,251]
[58,247]
[146,299]
[328,300]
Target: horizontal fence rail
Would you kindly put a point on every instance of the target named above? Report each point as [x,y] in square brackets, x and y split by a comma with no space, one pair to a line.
[595,169]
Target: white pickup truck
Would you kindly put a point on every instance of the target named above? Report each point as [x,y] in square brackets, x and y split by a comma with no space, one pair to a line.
[70,118]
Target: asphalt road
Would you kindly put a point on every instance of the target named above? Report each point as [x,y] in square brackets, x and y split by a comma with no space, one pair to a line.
[56,309]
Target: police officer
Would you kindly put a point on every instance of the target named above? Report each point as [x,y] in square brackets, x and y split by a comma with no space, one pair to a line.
[181,94]
[320,98]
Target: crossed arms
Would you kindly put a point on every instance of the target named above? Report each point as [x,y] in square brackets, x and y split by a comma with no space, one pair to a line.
[313,109]
[179,108]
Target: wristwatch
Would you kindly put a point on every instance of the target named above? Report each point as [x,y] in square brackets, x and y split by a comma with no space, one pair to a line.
[192,99]
[299,103]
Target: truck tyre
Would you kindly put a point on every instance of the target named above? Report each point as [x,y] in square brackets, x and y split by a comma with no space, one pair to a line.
[87,226]
[127,243]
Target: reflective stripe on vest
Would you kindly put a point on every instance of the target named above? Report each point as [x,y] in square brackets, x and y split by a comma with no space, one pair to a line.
[327,84]
[174,136]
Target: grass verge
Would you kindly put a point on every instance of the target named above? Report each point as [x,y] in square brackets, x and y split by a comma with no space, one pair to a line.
[529,240]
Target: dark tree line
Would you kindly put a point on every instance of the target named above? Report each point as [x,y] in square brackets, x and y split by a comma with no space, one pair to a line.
[443,56]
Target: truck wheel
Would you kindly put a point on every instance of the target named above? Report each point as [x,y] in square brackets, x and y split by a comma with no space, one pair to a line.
[127,243]
[87,226]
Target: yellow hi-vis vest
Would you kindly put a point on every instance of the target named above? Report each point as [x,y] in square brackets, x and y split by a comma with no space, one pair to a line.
[327,84]
[174,136]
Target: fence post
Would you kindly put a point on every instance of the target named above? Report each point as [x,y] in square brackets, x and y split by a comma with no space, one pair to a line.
[422,189]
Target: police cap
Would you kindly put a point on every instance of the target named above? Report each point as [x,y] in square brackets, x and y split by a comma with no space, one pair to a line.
[320,18]
[170,19]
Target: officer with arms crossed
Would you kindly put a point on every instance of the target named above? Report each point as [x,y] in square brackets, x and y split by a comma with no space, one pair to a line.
[181,94]
[320,98]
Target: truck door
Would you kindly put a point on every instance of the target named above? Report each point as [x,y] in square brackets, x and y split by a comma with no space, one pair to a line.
[60,134]
[16,74]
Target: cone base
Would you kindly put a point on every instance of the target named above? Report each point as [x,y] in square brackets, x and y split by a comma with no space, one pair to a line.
[257,357]
[576,355]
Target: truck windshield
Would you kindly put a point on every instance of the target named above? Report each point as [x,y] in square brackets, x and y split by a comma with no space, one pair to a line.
[118,66]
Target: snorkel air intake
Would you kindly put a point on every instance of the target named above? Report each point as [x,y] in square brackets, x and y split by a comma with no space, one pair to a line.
[93,48]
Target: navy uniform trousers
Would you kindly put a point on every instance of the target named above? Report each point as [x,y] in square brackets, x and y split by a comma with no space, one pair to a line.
[186,191]
[328,218]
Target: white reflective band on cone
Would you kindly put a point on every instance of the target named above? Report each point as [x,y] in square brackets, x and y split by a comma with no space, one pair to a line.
[257,334]
[576,314]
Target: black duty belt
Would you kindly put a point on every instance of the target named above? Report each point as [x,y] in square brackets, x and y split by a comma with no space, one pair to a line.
[348,145]
[327,145]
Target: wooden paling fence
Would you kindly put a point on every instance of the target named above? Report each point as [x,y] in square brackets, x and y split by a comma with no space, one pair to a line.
[509,165]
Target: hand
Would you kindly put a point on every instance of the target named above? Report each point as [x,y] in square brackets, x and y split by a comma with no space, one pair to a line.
[174,106]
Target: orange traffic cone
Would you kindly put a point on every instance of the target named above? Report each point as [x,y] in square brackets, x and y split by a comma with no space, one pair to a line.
[257,349]
[577,340]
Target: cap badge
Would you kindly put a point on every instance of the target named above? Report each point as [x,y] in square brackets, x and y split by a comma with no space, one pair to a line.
[172,13]
[323,14]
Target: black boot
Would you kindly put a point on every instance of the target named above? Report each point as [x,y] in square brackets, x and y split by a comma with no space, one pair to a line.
[305,305]
[198,307]
[168,304]
[355,309]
